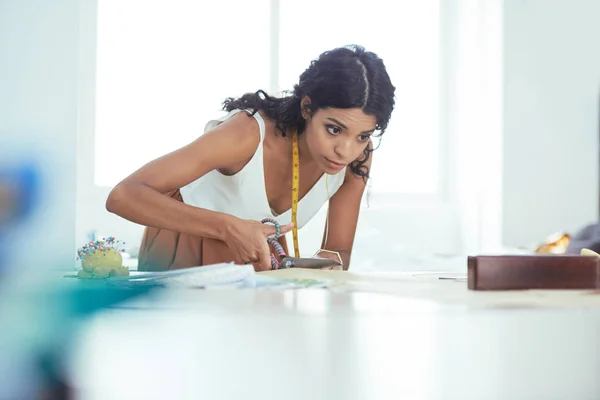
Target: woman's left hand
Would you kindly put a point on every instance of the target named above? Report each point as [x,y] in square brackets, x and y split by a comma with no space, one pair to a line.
[330,256]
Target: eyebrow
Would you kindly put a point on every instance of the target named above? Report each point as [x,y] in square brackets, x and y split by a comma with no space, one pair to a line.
[345,127]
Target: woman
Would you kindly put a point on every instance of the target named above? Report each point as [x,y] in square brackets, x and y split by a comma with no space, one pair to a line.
[203,204]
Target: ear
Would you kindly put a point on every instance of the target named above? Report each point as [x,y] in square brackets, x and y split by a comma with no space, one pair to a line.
[305,107]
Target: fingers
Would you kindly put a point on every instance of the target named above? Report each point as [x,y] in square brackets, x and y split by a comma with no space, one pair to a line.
[264,258]
[271,230]
[250,245]
[286,228]
[250,259]
[240,257]
[256,266]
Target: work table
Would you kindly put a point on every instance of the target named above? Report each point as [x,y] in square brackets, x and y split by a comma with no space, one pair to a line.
[369,336]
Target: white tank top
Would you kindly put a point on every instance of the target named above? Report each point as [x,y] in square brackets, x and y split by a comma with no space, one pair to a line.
[244,194]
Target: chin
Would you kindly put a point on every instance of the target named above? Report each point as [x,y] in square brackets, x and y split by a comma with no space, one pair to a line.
[332,168]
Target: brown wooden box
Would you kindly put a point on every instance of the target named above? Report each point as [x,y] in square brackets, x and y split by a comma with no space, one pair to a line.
[518,272]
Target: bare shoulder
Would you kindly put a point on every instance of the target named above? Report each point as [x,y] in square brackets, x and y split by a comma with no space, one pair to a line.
[238,138]
[241,129]
[227,147]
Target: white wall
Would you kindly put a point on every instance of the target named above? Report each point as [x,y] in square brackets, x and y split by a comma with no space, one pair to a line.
[38,114]
[551,117]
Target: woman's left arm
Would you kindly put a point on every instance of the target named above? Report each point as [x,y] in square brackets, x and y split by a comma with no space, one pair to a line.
[344,208]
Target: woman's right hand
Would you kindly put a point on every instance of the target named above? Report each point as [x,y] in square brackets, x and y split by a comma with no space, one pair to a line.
[247,241]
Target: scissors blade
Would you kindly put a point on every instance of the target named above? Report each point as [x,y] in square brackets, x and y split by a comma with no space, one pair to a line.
[309,262]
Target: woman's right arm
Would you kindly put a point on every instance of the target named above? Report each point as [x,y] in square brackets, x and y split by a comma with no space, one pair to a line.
[140,197]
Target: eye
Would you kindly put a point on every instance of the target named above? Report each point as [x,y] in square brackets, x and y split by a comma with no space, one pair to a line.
[364,138]
[334,130]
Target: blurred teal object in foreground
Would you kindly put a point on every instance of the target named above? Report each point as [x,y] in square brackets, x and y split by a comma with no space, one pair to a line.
[18,196]
[39,321]
[40,312]
[18,192]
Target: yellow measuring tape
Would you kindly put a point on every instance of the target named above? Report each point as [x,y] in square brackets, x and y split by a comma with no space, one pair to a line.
[295,185]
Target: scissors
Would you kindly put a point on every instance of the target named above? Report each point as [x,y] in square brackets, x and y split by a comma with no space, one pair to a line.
[286,261]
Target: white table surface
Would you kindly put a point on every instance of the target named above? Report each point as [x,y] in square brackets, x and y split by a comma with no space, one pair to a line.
[408,337]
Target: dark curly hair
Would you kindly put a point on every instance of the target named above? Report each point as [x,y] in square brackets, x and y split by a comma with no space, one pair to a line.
[345,77]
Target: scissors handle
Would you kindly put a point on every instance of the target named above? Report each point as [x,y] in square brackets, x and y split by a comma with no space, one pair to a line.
[292,262]
[272,240]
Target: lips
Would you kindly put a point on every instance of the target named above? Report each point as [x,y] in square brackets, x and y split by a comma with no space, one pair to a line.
[336,165]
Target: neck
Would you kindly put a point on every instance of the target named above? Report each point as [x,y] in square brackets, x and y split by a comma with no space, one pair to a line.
[304,153]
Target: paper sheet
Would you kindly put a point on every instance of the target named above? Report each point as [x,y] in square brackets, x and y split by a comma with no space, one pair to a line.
[446,289]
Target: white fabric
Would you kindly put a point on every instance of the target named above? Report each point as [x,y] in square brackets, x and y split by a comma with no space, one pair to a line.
[243,195]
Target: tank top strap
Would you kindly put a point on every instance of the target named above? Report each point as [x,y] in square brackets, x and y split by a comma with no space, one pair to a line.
[261,124]
[259,120]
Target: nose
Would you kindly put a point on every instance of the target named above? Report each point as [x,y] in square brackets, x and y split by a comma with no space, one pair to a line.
[343,148]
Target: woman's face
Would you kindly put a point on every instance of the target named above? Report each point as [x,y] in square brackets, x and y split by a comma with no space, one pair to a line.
[336,137]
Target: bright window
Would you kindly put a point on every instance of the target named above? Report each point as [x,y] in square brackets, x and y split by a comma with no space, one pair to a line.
[164,68]
[406,35]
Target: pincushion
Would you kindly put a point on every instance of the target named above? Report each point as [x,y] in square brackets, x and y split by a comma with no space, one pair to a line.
[102,259]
